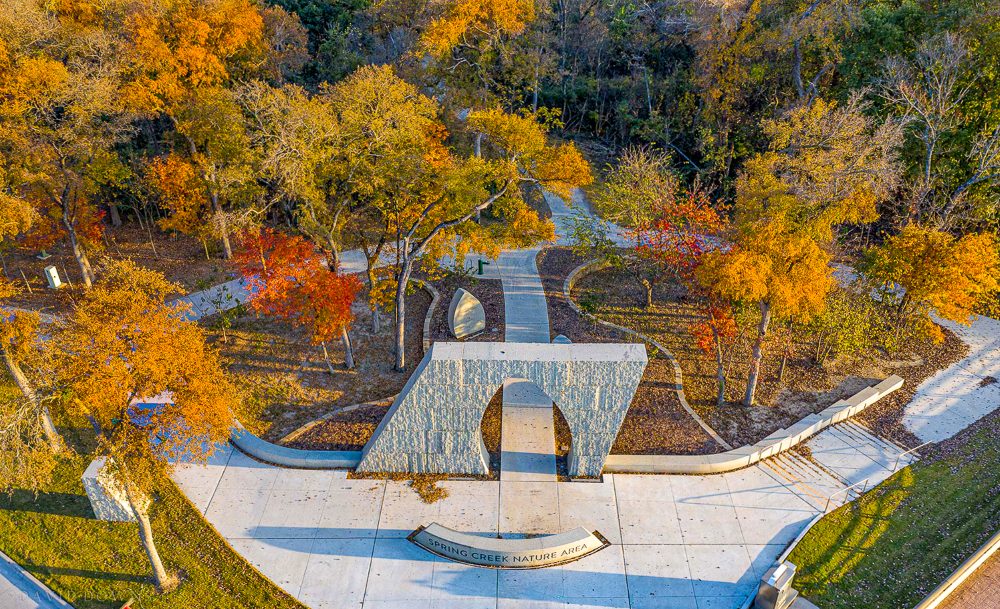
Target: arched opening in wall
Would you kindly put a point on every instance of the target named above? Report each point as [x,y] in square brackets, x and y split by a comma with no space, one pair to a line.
[564,442]
[491,427]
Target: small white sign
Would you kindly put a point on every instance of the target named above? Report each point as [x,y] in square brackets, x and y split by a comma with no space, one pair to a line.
[52,275]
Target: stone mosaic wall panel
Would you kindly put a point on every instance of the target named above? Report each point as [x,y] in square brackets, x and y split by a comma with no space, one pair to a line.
[434,424]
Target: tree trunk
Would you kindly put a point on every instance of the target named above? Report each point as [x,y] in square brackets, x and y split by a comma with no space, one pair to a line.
[220,217]
[81,256]
[376,321]
[345,338]
[48,427]
[326,356]
[404,278]
[720,372]
[116,219]
[160,576]
[758,353]
[797,70]
[649,292]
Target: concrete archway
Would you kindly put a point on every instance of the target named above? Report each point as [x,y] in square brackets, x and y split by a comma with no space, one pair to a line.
[434,424]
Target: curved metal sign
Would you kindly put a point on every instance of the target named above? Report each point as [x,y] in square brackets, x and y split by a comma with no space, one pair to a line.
[493,553]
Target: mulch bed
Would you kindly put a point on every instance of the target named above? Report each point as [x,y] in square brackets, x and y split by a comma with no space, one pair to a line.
[288,382]
[805,387]
[490,294]
[656,423]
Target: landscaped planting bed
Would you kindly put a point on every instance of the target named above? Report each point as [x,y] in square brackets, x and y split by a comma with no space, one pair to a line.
[896,543]
[804,387]
[287,379]
[656,423]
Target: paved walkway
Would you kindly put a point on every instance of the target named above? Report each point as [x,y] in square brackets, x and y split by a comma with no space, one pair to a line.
[20,590]
[960,395]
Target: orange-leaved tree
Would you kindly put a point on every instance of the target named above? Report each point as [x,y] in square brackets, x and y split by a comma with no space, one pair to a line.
[827,165]
[782,273]
[286,278]
[123,345]
[922,270]
[683,229]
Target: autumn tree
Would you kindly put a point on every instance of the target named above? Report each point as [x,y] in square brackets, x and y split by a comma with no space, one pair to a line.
[923,271]
[19,338]
[121,345]
[827,165]
[286,279]
[373,150]
[713,334]
[62,116]
[211,127]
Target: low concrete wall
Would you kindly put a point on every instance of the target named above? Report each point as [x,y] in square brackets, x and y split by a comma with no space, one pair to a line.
[594,265]
[962,573]
[776,443]
[292,457]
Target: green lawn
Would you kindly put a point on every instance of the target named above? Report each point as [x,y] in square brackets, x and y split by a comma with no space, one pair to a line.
[100,565]
[895,545]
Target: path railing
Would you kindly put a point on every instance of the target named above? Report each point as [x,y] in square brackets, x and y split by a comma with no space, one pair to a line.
[895,466]
[829,499]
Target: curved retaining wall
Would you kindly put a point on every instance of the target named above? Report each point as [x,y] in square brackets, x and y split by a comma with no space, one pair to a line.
[777,442]
[493,553]
[678,375]
[292,457]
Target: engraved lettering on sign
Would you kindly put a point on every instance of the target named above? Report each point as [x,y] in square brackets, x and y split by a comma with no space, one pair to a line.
[496,553]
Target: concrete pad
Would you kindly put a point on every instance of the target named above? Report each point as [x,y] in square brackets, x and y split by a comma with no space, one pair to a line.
[282,561]
[657,572]
[529,508]
[597,575]
[236,512]
[649,522]
[350,513]
[290,514]
[720,570]
[400,571]
[337,573]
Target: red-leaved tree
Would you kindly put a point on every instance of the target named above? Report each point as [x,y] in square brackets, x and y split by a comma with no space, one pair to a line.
[683,229]
[286,278]
[712,334]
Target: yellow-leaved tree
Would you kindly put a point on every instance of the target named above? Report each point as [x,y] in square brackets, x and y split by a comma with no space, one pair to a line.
[923,271]
[123,345]
[369,162]
[827,165]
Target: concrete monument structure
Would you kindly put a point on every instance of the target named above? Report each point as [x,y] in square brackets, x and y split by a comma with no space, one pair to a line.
[466,315]
[52,276]
[434,424]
